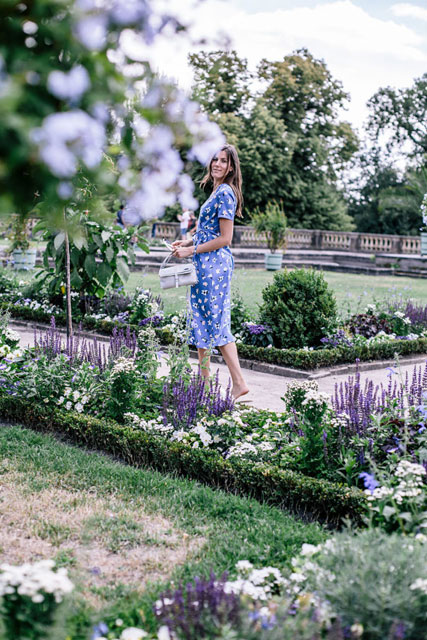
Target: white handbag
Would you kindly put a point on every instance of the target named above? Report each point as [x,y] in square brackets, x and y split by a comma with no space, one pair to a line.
[177,275]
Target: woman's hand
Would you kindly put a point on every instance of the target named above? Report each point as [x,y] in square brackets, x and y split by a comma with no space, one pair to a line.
[183,252]
[177,243]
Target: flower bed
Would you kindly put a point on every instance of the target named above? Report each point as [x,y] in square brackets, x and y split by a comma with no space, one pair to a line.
[381,332]
[316,439]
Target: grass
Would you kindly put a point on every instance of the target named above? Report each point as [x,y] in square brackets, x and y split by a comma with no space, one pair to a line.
[353,291]
[213,529]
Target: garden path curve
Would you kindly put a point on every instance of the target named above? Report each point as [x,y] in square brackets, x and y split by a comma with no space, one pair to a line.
[266,389]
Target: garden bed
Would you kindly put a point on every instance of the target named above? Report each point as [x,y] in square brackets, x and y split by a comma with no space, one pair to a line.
[310,498]
[298,359]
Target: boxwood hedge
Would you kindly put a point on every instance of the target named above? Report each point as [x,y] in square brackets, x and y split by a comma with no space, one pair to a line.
[307,497]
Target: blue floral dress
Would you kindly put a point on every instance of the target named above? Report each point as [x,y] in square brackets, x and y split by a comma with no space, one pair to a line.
[210,317]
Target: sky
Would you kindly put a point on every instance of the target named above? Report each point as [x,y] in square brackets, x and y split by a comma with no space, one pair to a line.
[366,44]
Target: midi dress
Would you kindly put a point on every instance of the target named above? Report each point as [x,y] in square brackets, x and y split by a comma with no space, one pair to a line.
[210,308]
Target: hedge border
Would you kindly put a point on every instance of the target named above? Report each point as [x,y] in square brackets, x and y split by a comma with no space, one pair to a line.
[308,498]
[292,358]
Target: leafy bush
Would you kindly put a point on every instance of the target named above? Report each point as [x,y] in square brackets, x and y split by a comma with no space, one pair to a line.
[299,307]
[376,580]
[258,335]
[239,313]
[368,325]
[272,223]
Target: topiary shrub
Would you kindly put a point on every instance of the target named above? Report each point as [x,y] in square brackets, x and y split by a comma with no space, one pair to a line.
[299,307]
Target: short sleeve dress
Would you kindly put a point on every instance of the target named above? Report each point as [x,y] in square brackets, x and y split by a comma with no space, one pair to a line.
[210,314]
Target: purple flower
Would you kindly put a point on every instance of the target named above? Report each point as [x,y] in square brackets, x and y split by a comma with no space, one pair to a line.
[369,481]
[99,631]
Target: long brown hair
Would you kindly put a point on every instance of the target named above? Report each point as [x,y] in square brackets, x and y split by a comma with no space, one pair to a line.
[233,177]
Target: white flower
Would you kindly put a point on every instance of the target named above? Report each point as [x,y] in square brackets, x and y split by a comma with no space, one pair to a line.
[68,406]
[132,633]
[69,86]
[67,137]
[79,407]
[92,32]
[421,584]
[163,633]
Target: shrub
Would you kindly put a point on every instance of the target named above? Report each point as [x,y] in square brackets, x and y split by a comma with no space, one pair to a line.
[368,325]
[376,580]
[272,223]
[299,307]
[239,313]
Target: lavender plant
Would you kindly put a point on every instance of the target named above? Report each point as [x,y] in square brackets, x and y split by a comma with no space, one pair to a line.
[199,609]
[51,343]
[185,401]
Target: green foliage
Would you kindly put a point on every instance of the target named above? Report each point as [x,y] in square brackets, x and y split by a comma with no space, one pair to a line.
[100,256]
[400,113]
[371,585]
[285,136]
[221,81]
[25,102]
[308,497]
[299,307]
[272,223]
[239,313]
[305,359]
[19,234]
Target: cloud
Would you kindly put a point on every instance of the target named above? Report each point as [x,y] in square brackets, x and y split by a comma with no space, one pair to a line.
[406,10]
[363,51]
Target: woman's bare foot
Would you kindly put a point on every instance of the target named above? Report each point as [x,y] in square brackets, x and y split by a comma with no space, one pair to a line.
[239,390]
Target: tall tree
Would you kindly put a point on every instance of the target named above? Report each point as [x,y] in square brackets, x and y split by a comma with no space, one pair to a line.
[401,116]
[294,157]
[221,81]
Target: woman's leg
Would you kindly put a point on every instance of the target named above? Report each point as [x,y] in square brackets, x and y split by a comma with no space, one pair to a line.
[229,353]
[204,362]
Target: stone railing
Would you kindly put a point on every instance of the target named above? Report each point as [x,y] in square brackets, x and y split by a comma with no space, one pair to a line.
[313,239]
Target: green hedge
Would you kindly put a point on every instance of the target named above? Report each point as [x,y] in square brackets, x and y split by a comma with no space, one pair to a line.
[307,497]
[300,359]
[294,358]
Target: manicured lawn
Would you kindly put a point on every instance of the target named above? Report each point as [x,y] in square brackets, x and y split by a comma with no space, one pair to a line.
[353,291]
[67,500]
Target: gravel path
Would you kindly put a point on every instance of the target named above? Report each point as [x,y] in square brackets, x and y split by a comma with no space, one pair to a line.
[267,389]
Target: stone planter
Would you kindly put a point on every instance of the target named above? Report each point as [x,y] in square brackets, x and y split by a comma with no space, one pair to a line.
[273,261]
[424,243]
[24,260]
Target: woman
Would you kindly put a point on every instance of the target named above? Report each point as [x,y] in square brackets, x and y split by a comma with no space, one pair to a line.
[209,246]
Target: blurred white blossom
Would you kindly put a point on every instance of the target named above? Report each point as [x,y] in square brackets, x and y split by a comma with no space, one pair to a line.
[69,86]
[64,138]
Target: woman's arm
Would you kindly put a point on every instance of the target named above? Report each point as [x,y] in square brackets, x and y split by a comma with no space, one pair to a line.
[223,240]
[182,243]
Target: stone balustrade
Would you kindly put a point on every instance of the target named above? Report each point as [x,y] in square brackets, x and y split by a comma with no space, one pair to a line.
[245,236]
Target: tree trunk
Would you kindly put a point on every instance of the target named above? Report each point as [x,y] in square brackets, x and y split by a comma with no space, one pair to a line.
[69,315]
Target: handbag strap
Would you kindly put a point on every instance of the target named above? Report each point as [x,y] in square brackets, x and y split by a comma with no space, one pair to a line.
[168,258]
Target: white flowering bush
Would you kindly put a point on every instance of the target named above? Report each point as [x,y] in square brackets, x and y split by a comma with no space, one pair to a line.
[398,500]
[9,344]
[90,80]
[257,584]
[30,595]
[177,326]
[102,631]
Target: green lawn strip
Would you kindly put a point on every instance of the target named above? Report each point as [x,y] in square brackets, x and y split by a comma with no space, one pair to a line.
[308,497]
[353,291]
[234,528]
